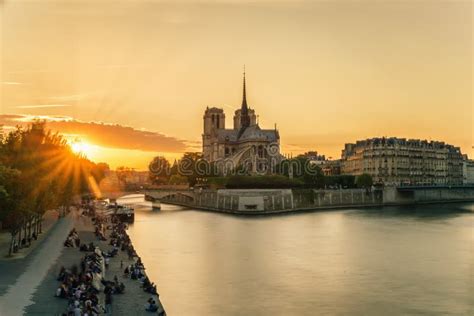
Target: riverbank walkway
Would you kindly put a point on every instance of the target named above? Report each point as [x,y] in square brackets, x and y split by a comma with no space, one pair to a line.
[20,277]
[50,219]
[32,283]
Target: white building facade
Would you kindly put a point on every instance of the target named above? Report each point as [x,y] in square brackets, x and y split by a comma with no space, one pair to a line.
[400,161]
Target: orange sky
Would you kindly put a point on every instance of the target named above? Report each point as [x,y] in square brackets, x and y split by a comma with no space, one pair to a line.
[326,72]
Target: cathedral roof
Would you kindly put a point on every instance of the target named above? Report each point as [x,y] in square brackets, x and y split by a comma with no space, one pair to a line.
[255,132]
[250,133]
[227,135]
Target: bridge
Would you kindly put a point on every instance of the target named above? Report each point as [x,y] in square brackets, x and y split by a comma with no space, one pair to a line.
[185,196]
[171,195]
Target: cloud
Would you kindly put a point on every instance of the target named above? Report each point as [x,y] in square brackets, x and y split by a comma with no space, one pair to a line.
[72,97]
[103,134]
[40,106]
[11,83]
[124,66]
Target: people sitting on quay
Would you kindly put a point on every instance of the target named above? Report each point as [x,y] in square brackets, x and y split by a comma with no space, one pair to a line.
[114,287]
[151,305]
[72,239]
[89,247]
[100,229]
[80,287]
[149,287]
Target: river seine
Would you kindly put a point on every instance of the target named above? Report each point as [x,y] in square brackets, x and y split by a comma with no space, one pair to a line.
[390,261]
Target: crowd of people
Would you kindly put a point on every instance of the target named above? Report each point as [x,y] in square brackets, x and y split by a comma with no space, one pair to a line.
[134,271]
[82,286]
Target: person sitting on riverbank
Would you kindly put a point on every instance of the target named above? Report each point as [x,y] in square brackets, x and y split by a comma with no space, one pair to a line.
[120,288]
[62,274]
[149,287]
[61,291]
[151,305]
[72,238]
[110,254]
[89,247]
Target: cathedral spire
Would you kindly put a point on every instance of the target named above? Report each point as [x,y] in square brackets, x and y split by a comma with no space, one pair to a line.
[244,96]
[244,111]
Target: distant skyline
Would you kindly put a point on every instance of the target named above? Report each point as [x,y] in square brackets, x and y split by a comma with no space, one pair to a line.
[327,73]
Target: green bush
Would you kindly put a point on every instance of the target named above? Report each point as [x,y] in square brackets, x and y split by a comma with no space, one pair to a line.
[262,182]
[364,181]
[344,181]
[216,182]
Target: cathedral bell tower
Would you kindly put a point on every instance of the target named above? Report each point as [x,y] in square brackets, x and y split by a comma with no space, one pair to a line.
[214,119]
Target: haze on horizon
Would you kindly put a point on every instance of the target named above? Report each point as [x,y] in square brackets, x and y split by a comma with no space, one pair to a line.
[326,73]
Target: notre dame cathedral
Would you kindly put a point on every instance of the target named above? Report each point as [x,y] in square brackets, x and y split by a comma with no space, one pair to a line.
[246,145]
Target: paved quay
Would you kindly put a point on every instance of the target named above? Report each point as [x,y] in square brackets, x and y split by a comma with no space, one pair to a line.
[21,276]
[50,220]
[32,293]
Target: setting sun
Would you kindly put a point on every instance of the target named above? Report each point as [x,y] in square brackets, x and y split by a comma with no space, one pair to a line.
[81,148]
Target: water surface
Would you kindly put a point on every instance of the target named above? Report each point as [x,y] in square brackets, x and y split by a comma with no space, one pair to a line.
[411,261]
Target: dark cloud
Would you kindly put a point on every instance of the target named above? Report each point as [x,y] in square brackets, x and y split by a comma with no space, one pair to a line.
[102,134]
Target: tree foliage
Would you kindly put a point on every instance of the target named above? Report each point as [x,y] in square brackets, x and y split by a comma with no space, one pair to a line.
[364,181]
[39,171]
[189,167]
[159,170]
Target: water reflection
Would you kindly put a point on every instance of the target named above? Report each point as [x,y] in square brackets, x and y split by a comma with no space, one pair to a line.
[420,212]
[362,262]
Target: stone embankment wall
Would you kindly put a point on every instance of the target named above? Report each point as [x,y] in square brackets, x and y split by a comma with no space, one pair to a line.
[288,200]
[420,195]
[272,200]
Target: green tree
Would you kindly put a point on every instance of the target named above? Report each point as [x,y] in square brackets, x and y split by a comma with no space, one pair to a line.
[39,172]
[177,179]
[304,169]
[192,166]
[159,170]
[364,181]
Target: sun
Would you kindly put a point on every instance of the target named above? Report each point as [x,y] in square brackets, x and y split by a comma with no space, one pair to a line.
[82,148]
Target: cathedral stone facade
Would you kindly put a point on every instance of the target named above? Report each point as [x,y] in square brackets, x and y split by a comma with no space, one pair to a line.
[245,145]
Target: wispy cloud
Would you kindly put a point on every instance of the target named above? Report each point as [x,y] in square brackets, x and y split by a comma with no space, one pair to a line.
[11,83]
[30,71]
[230,107]
[30,118]
[40,106]
[72,97]
[124,66]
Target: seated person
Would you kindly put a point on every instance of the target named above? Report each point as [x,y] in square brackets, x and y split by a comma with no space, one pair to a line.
[151,306]
[119,289]
[59,292]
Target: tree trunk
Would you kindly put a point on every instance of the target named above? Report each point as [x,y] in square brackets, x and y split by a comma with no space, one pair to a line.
[34,224]
[12,242]
[30,222]
[25,224]
[19,236]
[37,224]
